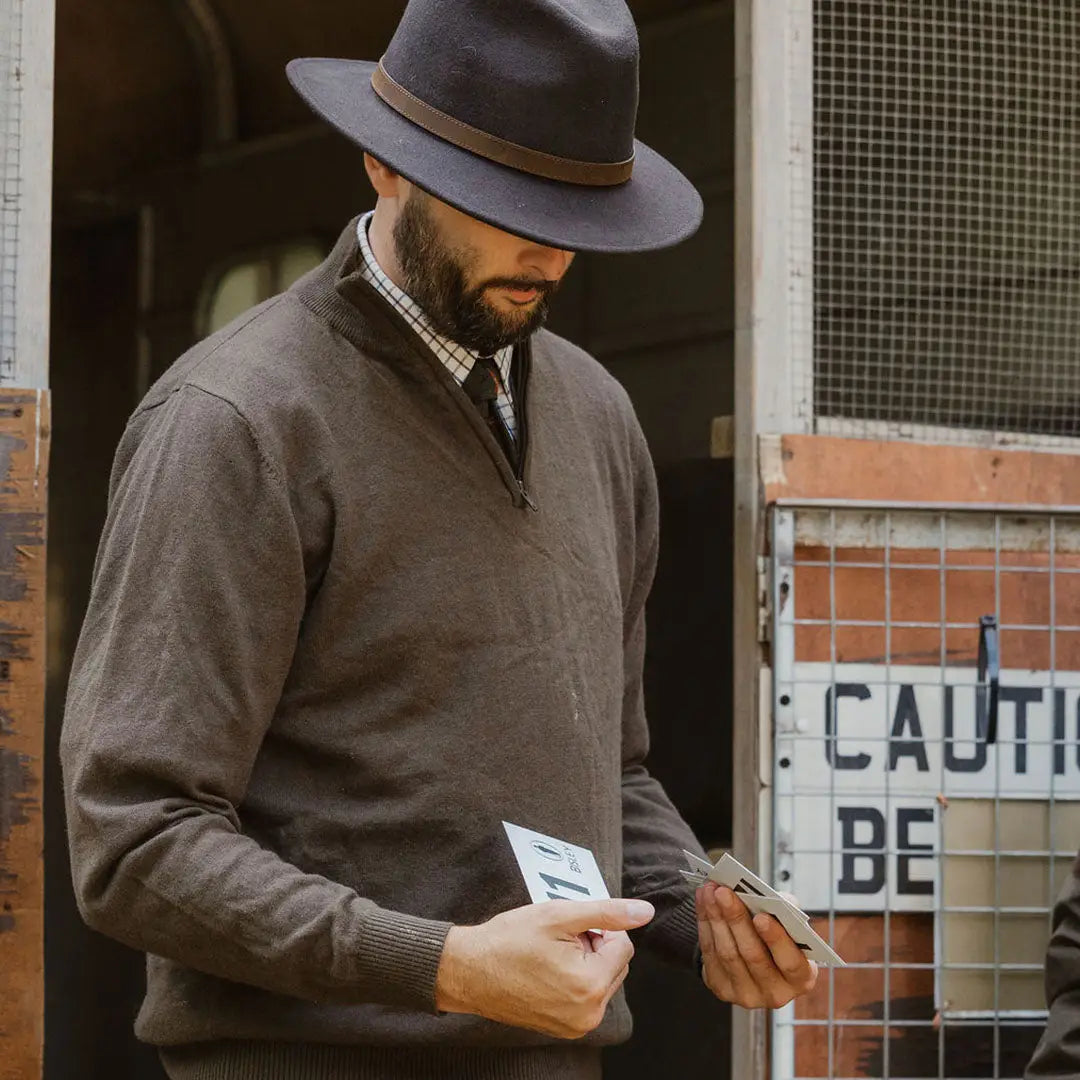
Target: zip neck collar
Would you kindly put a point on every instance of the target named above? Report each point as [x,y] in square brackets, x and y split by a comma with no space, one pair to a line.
[338,293]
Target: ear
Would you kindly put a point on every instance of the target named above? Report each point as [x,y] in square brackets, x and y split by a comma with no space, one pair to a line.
[384,180]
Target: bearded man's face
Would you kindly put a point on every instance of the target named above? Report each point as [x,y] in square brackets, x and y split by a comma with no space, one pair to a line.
[479,286]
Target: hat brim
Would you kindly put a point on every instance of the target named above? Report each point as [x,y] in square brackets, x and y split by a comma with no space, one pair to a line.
[656,208]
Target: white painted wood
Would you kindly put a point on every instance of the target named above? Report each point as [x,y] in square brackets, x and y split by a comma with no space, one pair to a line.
[33,266]
[797,369]
[768,33]
[766,159]
[748,1056]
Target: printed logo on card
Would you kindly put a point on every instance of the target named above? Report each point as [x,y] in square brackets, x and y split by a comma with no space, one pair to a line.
[548,851]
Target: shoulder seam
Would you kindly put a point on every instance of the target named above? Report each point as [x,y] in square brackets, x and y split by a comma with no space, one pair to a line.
[256,313]
[187,384]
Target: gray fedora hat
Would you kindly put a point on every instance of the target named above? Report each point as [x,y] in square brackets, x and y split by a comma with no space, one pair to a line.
[520,113]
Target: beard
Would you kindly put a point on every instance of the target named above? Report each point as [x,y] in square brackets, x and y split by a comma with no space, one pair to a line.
[437,278]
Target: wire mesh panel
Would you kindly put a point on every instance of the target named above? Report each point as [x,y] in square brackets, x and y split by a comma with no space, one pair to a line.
[11,26]
[945,218]
[928,854]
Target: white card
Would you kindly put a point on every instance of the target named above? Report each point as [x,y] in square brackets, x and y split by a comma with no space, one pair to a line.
[697,864]
[761,897]
[730,872]
[813,945]
[554,869]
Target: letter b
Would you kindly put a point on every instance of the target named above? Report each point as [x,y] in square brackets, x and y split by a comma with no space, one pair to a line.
[873,850]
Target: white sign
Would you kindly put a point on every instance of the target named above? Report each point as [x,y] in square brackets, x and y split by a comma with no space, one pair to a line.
[554,869]
[866,755]
[865,853]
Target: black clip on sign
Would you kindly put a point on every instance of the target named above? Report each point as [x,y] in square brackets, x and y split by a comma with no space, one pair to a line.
[989,675]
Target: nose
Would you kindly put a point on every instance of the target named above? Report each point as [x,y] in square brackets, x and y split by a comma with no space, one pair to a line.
[551,263]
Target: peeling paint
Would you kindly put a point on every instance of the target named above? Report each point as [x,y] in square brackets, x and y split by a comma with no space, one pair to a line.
[24,458]
[14,644]
[16,783]
[9,445]
[771,460]
[16,799]
[17,530]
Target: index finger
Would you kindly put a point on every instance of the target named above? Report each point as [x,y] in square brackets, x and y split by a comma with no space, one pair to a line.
[573,917]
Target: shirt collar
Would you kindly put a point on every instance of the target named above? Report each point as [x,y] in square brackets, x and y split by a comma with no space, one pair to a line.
[456,358]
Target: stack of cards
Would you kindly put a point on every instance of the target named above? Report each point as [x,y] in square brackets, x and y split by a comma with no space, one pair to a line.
[556,870]
[759,897]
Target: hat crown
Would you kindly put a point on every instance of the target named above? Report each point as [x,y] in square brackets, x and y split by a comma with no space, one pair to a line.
[558,76]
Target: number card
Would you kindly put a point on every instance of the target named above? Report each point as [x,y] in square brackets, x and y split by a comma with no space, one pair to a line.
[759,896]
[554,869]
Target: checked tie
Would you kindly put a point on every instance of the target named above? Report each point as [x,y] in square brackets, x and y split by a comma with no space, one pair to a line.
[483,385]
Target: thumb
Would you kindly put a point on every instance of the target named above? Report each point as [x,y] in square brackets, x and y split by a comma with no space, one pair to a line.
[575,917]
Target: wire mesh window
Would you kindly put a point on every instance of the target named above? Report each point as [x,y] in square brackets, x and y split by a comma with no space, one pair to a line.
[927,855]
[946,219]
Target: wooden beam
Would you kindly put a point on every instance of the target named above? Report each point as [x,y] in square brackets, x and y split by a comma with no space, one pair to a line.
[824,467]
[764,94]
[24,457]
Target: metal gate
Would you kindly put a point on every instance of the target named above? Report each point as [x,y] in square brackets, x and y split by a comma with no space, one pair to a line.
[928,854]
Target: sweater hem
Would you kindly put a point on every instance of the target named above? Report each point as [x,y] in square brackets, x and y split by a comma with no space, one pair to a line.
[251,1060]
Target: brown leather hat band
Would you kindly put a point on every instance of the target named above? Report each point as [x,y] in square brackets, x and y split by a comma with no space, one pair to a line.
[492,147]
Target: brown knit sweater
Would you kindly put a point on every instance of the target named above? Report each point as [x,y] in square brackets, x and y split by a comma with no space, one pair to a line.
[329,648]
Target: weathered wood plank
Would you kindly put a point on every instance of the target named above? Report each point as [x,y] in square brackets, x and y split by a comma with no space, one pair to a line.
[829,467]
[24,456]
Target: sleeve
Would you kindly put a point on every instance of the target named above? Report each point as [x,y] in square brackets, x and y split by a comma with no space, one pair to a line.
[196,604]
[1058,1052]
[654,834]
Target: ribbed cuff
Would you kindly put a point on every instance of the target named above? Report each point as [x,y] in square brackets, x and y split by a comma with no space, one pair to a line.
[398,959]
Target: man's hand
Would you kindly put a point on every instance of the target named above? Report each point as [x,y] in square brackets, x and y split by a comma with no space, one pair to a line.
[537,967]
[749,962]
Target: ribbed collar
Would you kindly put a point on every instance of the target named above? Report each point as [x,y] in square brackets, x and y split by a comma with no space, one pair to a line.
[338,293]
[457,359]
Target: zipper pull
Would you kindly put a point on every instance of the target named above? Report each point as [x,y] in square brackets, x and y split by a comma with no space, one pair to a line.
[528,499]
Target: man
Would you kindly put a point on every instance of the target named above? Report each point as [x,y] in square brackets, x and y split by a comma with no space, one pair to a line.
[1057,1057]
[373,582]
